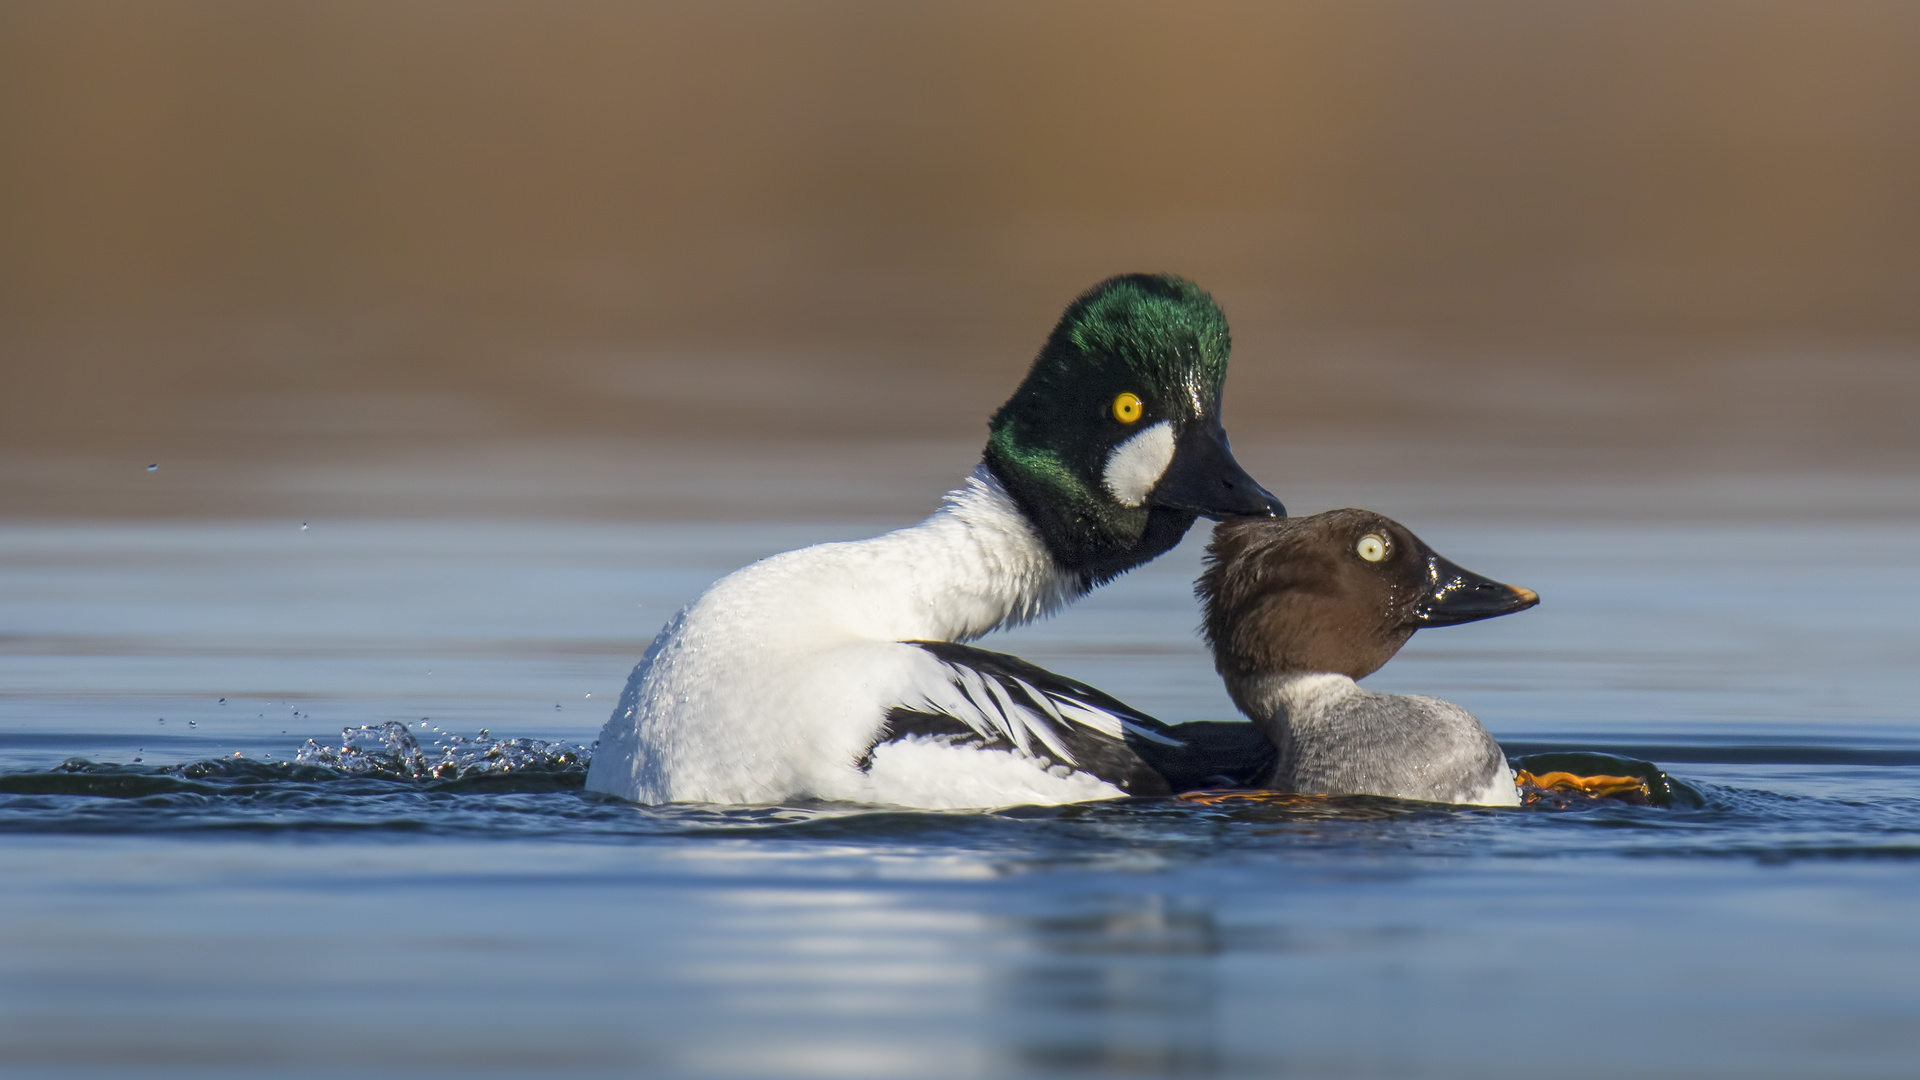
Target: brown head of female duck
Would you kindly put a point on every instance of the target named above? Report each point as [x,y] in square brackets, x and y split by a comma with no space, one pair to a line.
[1297,609]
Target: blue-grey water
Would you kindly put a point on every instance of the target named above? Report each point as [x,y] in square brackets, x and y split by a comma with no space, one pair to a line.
[180,895]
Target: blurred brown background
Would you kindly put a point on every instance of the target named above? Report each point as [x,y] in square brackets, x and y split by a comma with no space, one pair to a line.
[660,258]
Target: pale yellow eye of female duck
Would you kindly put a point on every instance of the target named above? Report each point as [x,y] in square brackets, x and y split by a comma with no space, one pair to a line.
[1126,408]
[1371,548]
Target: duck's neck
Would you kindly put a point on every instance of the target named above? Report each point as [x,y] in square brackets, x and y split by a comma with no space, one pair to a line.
[981,565]
[1285,698]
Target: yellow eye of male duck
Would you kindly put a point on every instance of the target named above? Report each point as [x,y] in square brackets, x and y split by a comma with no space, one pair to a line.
[1126,408]
[1371,548]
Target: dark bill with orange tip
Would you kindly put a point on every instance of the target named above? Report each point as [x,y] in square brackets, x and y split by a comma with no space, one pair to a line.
[1459,595]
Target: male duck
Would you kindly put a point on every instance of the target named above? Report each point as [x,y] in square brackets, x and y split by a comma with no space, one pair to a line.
[836,671]
[1297,610]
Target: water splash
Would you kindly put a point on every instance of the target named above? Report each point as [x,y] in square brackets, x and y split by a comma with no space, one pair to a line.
[390,751]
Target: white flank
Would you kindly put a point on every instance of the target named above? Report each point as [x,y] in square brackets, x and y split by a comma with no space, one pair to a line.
[1137,464]
[925,772]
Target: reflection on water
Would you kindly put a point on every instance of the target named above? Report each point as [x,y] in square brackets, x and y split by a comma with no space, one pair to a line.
[933,956]
[251,914]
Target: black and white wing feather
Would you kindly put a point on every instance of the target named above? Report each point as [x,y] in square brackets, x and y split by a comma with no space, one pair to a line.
[993,701]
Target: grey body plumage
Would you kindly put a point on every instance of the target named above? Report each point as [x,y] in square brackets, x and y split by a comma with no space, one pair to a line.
[1334,737]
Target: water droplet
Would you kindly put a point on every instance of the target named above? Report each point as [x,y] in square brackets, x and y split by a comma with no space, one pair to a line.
[589,695]
[303,526]
[193,723]
[163,719]
[155,467]
[556,706]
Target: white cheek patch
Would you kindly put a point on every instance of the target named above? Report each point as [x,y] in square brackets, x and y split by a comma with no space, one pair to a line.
[1137,464]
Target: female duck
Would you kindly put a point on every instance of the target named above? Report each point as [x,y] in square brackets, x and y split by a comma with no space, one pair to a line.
[836,671]
[1296,610]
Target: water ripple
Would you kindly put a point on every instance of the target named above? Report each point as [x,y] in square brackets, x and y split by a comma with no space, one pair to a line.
[382,780]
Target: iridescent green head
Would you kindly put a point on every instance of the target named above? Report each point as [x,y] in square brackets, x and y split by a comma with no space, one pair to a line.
[1112,445]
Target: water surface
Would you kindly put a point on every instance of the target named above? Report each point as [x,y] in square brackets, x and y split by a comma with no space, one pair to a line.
[186,898]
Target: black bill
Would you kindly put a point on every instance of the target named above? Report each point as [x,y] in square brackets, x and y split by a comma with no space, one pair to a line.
[1205,479]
